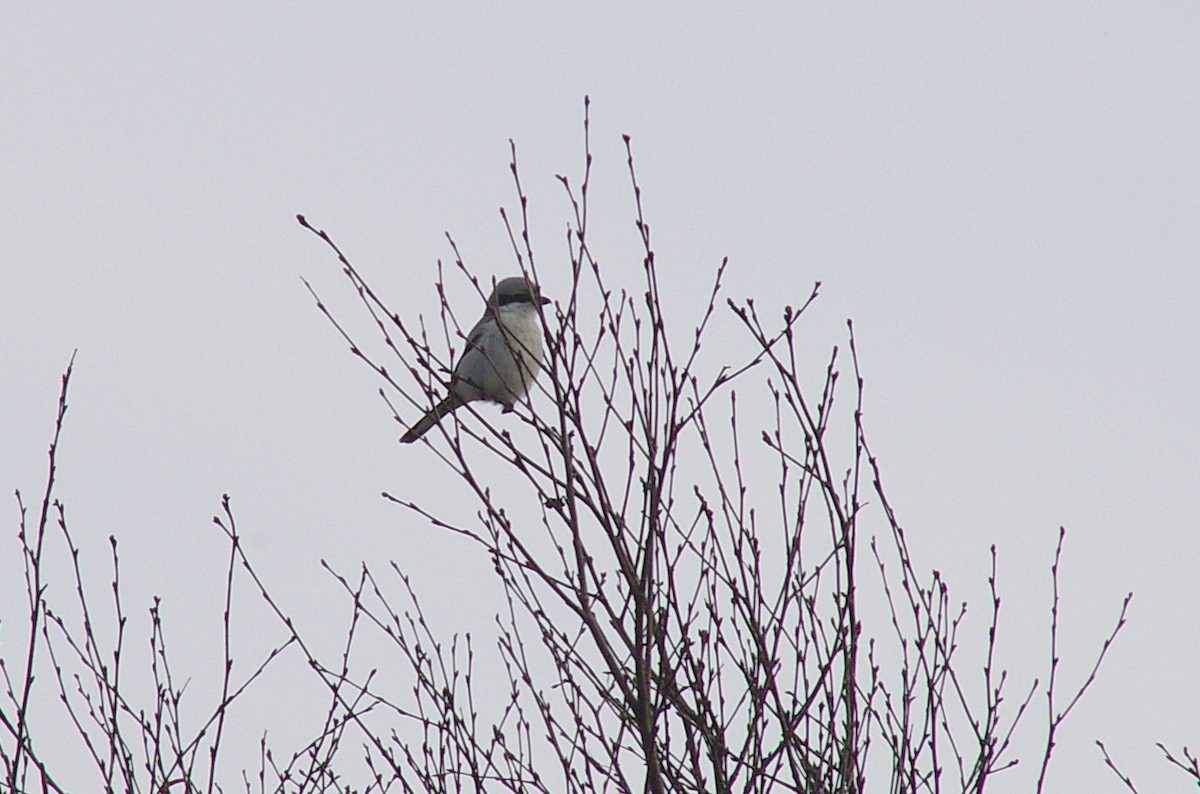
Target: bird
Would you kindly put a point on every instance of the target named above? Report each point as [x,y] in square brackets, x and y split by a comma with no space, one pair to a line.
[502,357]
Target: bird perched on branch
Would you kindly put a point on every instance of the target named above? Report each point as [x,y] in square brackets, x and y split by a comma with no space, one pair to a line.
[502,356]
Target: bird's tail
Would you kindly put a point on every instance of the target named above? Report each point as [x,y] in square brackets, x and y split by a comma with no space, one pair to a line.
[423,425]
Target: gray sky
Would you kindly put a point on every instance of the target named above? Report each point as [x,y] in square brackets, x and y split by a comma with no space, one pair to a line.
[1004,199]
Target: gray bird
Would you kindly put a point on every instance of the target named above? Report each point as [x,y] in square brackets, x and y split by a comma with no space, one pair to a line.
[502,357]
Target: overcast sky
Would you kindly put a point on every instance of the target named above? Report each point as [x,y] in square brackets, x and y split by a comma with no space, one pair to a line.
[1004,197]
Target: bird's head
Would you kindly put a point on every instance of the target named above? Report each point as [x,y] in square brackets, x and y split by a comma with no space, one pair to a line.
[516,290]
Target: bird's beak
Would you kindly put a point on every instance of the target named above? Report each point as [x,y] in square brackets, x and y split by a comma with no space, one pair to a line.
[544,301]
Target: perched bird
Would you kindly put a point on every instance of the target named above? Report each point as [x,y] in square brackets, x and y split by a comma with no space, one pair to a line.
[502,356]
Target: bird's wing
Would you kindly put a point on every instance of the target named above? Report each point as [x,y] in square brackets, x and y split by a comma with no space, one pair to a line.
[475,362]
[475,337]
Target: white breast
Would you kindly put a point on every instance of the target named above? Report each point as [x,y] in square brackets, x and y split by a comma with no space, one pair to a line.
[504,361]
